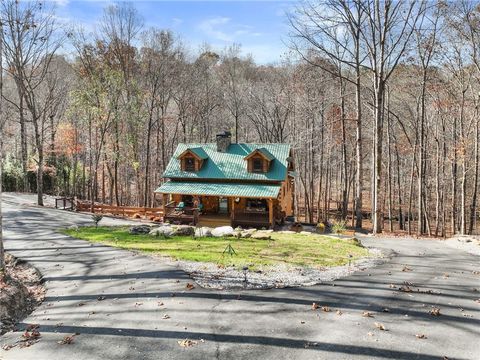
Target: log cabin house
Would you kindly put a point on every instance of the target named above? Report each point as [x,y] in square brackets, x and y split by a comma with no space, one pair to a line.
[225,183]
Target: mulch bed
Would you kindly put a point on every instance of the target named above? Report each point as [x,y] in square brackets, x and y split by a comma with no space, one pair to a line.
[21,290]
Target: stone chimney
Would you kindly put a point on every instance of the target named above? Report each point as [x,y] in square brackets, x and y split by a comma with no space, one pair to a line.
[223,141]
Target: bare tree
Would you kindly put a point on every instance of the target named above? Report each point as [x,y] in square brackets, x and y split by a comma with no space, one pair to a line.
[386,36]
[2,123]
[30,44]
[333,29]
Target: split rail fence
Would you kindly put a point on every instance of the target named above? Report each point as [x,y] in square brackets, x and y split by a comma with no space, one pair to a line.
[125,211]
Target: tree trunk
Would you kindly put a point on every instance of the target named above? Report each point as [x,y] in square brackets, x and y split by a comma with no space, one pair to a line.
[473,205]
[378,147]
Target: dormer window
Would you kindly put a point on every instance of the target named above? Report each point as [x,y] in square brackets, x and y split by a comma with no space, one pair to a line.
[257,165]
[259,161]
[192,159]
[189,163]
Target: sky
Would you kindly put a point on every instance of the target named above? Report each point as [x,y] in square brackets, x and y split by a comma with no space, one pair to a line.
[261,27]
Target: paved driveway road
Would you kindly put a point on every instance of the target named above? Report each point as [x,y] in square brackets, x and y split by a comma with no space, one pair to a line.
[147,308]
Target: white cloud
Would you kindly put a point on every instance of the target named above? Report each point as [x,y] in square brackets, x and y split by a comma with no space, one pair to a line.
[222,28]
[210,27]
[177,21]
[60,3]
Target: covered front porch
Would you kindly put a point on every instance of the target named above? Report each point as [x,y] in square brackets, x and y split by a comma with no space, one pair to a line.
[207,204]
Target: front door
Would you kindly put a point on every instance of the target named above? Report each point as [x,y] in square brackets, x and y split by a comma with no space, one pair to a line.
[223,206]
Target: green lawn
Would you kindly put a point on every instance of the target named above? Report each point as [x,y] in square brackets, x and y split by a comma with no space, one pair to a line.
[295,249]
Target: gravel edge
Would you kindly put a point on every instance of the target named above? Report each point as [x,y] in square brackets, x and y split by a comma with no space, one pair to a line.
[211,276]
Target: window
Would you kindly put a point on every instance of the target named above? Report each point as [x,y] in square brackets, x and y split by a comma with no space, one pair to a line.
[189,164]
[257,165]
[256,205]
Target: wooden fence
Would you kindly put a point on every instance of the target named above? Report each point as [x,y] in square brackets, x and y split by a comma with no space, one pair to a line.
[125,211]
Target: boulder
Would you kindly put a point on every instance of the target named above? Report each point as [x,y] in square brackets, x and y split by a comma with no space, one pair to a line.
[222,231]
[287,232]
[297,227]
[183,230]
[140,229]
[164,230]
[247,233]
[261,235]
[73,227]
[203,231]
[306,233]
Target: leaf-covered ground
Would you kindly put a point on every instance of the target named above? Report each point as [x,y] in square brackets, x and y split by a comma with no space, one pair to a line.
[295,249]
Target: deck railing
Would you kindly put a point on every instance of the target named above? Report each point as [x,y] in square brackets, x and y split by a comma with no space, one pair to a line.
[185,214]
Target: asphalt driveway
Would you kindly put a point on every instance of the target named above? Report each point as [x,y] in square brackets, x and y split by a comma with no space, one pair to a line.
[130,306]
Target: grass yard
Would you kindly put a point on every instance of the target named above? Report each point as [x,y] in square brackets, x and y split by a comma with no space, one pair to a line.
[294,249]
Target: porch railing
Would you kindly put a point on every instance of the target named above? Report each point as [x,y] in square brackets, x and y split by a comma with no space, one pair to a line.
[183,214]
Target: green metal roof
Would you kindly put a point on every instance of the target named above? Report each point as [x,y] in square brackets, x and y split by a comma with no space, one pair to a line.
[266,153]
[231,164]
[220,189]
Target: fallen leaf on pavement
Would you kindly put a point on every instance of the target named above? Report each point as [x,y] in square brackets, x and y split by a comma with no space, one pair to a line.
[190,286]
[35,334]
[435,311]
[326,309]
[386,310]
[315,306]
[310,344]
[187,343]
[67,340]
[165,317]
[380,326]
[339,312]
[420,336]
[406,268]
[367,314]
[101,298]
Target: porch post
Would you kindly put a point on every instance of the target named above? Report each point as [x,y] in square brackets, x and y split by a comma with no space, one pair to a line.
[270,212]
[164,204]
[232,211]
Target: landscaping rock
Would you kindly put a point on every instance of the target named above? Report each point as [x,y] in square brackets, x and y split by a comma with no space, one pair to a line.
[140,229]
[184,230]
[261,235]
[164,230]
[297,227]
[247,233]
[306,233]
[287,232]
[203,232]
[222,231]
[73,227]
